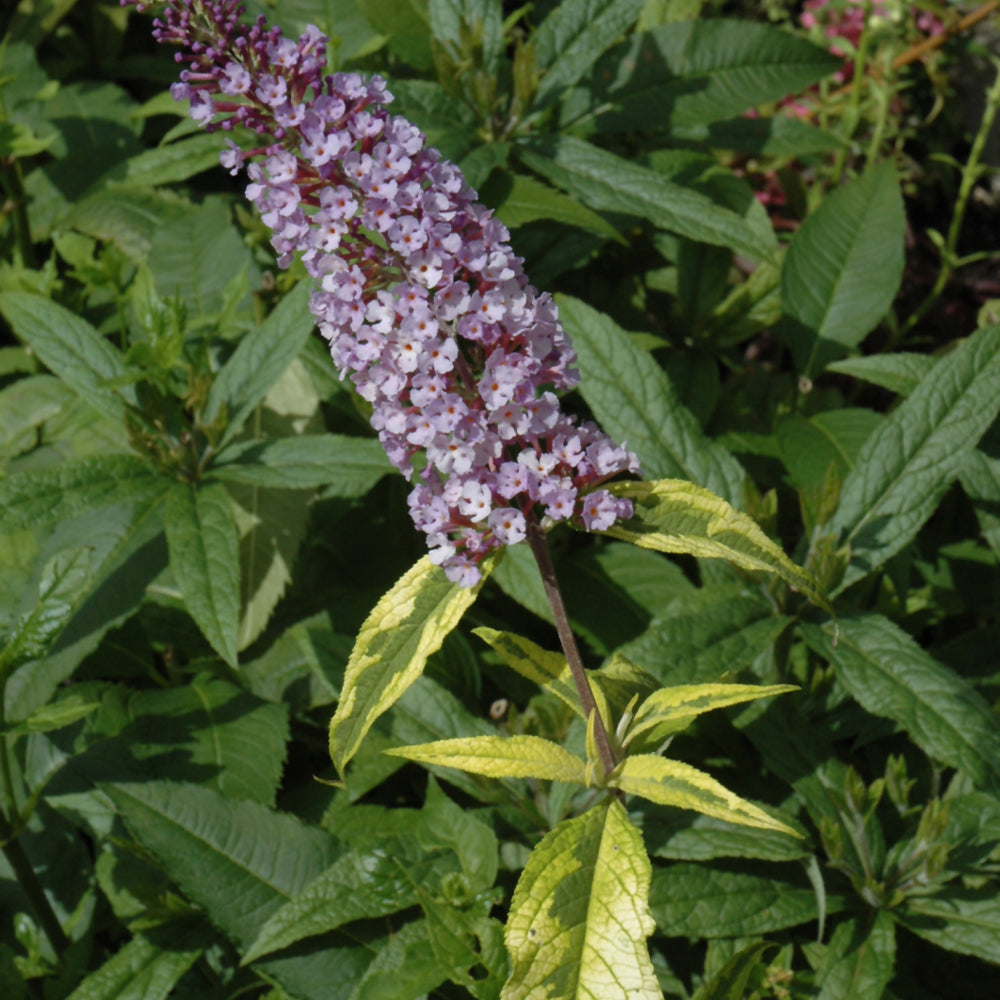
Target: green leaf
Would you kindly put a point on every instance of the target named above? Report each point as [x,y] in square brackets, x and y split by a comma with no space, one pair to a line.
[777,135]
[65,578]
[569,41]
[579,920]
[676,516]
[859,960]
[213,733]
[25,407]
[46,495]
[891,676]
[222,855]
[608,183]
[500,757]
[681,835]
[408,624]
[71,348]
[674,783]
[444,824]
[528,200]
[672,709]
[548,670]
[199,272]
[405,969]
[359,885]
[481,20]
[259,361]
[380,878]
[346,466]
[168,164]
[704,901]
[962,920]
[843,268]
[906,466]
[59,714]
[205,558]
[406,22]
[142,970]
[126,217]
[128,552]
[693,73]
[900,372]
[730,982]
[809,446]
[980,478]
[303,668]
[633,400]
[706,634]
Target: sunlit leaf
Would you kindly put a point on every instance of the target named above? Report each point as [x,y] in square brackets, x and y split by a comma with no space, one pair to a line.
[408,624]
[674,783]
[500,757]
[672,709]
[204,556]
[579,918]
[679,517]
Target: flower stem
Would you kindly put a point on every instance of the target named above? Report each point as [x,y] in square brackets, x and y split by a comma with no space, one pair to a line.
[971,173]
[32,888]
[540,550]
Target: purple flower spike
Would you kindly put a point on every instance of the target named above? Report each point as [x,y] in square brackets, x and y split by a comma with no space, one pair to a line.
[419,294]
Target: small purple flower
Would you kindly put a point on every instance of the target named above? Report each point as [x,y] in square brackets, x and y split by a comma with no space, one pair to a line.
[434,319]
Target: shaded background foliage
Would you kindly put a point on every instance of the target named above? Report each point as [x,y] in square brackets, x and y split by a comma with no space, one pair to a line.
[195,518]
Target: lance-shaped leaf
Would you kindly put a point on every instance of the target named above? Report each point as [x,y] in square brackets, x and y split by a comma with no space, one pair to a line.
[43,496]
[676,516]
[205,559]
[674,783]
[963,920]
[64,579]
[571,38]
[580,916]
[891,676]
[859,959]
[546,669]
[500,757]
[609,183]
[408,624]
[911,459]
[703,901]
[259,360]
[634,400]
[145,969]
[347,466]
[672,709]
[71,348]
[843,268]
[731,981]
[358,885]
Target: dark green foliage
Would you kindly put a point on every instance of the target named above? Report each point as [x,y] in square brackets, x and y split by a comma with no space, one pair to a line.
[196,519]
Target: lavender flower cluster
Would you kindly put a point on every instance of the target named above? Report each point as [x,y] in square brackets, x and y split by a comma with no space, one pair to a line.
[419,294]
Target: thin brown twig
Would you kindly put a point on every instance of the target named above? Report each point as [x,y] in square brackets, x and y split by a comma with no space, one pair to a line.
[540,549]
[919,50]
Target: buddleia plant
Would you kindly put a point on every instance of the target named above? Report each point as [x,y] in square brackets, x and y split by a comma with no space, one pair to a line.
[427,310]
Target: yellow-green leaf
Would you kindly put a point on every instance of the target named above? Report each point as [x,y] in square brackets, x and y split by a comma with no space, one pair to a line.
[500,757]
[673,515]
[580,915]
[547,670]
[672,709]
[673,783]
[408,624]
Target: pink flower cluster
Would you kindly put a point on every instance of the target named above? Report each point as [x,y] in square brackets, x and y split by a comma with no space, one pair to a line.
[846,20]
[420,296]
